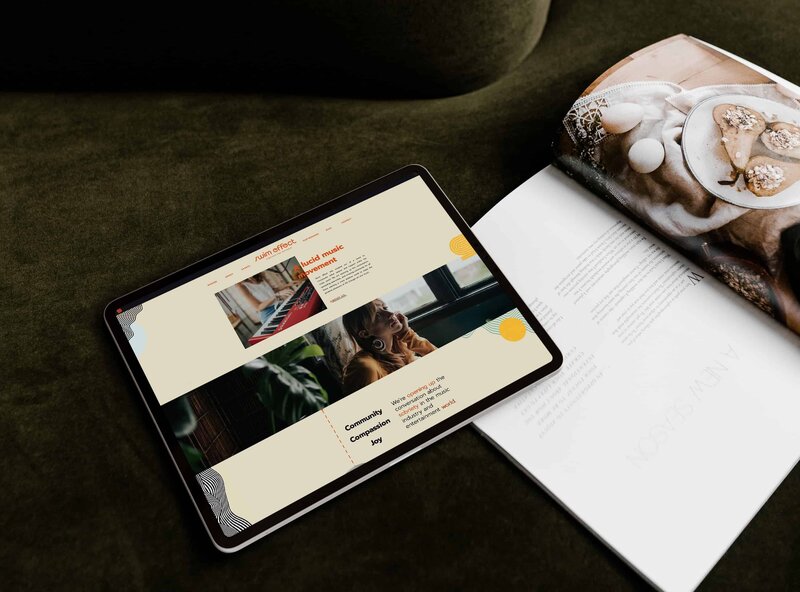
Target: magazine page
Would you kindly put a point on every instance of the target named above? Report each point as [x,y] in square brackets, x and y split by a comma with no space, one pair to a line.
[673,418]
[704,150]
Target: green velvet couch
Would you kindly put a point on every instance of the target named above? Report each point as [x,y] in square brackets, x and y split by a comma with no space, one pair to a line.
[126,155]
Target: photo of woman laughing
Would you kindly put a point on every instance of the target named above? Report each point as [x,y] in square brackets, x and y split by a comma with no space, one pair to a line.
[386,344]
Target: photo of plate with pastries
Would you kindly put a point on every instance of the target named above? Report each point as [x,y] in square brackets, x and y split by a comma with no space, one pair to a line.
[745,150]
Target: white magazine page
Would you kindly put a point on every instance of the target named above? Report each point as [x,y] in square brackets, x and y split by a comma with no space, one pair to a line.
[674,416]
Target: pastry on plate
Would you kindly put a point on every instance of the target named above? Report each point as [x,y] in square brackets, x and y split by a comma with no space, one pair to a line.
[766,176]
[740,127]
[782,138]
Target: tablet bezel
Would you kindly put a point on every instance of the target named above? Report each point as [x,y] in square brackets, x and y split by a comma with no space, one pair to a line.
[362,472]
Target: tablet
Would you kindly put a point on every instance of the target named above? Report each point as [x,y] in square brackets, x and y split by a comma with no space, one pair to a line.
[289,367]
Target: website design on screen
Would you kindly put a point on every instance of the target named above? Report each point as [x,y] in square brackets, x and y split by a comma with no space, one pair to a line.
[286,368]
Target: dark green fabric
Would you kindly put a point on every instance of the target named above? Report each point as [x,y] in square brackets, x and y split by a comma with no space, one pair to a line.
[412,48]
[101,193]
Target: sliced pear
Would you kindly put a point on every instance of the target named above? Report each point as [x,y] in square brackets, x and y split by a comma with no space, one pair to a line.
[740,126]
[782,138]
[767,176]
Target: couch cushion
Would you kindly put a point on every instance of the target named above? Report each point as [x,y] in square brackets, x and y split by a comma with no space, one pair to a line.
[411,48]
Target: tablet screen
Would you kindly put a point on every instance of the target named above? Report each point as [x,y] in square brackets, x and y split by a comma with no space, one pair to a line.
[284,365]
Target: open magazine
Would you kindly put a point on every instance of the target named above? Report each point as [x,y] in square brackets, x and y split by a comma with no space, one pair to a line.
[668,226]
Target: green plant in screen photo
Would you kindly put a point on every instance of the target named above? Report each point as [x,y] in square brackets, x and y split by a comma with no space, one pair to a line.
[183,421]
[288,390]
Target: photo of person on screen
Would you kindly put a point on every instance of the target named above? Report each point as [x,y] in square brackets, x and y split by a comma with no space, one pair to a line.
[263,297]
[386,344]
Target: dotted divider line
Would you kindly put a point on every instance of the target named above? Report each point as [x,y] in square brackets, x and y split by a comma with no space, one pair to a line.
[337,436]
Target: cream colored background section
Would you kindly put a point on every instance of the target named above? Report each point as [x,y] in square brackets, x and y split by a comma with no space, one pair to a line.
[266,477]
[404,232]
[296,460]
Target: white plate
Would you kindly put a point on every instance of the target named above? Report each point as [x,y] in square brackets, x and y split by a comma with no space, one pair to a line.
[709,162]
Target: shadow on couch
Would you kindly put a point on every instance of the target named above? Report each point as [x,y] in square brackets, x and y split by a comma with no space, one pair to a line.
[366,48]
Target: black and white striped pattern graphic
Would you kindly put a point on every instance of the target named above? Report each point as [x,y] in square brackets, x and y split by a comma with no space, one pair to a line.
[127,318]
[214,488]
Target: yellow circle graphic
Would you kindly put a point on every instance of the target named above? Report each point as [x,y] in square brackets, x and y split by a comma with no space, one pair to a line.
[512,329]
[461,247]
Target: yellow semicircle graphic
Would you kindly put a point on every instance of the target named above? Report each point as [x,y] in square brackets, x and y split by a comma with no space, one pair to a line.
[461,247]
[512,329]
